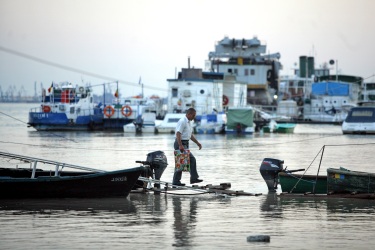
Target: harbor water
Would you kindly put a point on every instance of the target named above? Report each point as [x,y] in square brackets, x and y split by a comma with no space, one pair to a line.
[188,221]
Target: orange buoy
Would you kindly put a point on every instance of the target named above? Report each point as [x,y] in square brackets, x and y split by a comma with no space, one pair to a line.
[126,111]
[46,109]
[109,111]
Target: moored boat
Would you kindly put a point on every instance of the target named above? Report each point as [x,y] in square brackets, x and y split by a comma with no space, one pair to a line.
[341,180]
[85,183]
[297,183]
[240,121]
[360,120]
[66,107]
[168,125]
[274,127]
[210,124]
[285,128]
[147,124]
[274,173]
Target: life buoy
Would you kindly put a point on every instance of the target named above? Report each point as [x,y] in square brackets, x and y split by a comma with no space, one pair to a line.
[225,100]
[46,109]
[126,111]
[109,111]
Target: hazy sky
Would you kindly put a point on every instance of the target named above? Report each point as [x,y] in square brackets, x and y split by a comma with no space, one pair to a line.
[125,39]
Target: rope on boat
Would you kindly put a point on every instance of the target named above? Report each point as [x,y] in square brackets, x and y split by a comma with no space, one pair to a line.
[27,124]
[321,159]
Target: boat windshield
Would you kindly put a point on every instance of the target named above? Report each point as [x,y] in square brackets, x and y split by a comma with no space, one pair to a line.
[361,115]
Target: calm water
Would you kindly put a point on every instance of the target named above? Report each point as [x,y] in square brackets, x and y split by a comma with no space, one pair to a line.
[147,221]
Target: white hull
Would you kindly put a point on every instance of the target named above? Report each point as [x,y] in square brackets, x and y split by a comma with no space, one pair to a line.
[360,120]
[247,131]
[168,125]
[358,128]
[130,128]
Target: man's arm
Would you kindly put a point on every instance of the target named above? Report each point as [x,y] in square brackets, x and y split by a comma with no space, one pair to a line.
[180,146]
[196,141]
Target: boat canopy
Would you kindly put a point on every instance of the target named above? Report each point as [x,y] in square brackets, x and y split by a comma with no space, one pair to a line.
[243,116]
[330,88]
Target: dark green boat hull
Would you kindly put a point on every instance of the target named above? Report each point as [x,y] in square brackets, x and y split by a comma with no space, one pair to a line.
[342,181]
[305,185]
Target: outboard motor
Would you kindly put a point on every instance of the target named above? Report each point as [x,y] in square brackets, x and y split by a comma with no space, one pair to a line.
[269,169]
[156,162]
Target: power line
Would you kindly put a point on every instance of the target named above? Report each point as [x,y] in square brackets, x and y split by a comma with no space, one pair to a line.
[57,65]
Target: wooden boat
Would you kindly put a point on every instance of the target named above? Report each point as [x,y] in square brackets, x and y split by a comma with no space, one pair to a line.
[274,173]
[86,183]
[297,183]
[341,180]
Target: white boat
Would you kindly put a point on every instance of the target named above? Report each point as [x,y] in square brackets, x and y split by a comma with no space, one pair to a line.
[360,120]
[147,124]
[211,124]
[168,125]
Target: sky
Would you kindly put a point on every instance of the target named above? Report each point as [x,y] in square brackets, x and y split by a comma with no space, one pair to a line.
[147,41]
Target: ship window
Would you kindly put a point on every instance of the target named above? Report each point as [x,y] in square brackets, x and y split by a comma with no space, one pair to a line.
[229,70]
[174,92]
[246,72]
[365,113]
[235,71]
[202,91]
[252,72]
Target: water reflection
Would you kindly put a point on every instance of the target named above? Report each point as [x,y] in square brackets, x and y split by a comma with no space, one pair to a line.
[274,205]
[271,206]
[116,205]
[185,217]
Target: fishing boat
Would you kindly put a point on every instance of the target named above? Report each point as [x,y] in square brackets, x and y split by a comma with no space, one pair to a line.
[274,173]
[298,183]
[80,182]
[360,120]
[342,180]
[66,107]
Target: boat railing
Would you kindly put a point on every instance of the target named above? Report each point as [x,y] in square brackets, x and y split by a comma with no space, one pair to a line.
[34,161]
[72,110]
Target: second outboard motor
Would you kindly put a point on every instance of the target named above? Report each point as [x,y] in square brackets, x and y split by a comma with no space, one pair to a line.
[157,162]
[269,169]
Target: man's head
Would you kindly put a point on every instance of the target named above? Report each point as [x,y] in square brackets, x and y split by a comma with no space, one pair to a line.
[190,114]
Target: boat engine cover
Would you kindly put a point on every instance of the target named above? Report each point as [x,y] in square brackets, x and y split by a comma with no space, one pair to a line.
[269,169]
[158,163]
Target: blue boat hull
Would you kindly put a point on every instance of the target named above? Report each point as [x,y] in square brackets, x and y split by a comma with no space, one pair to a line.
[59,121]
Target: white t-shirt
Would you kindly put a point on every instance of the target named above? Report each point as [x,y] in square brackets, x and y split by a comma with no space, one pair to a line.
[184,127]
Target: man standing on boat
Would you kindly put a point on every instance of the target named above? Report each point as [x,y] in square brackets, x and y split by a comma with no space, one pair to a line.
[184,133]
